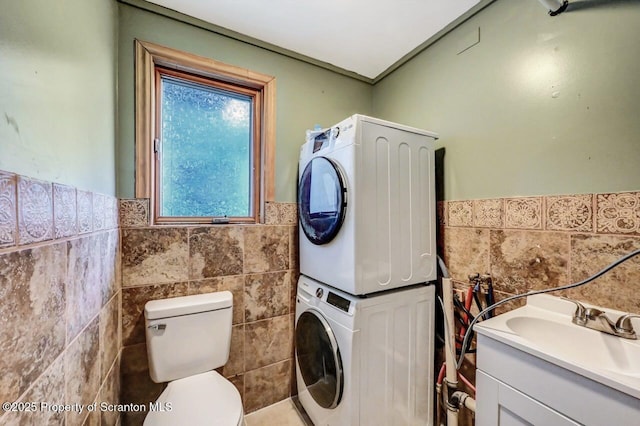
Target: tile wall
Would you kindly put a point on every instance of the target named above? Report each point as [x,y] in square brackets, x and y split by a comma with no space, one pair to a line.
[532,243]
[60,309]
[257,263]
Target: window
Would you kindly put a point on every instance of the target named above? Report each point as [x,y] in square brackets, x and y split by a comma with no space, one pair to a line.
[204,137]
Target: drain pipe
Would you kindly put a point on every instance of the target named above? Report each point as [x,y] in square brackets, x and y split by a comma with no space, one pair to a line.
[454,398]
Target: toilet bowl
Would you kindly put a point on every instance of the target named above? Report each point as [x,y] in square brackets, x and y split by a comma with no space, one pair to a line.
[203,399]
[187,338]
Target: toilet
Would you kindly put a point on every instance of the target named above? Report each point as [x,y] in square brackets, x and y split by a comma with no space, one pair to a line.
[187,338]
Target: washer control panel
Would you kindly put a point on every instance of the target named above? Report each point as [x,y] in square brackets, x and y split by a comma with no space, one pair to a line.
[338,301]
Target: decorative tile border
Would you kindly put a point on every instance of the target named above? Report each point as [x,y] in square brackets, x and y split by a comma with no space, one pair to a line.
[65,219]
[569,213]
[488,213]
[98,210]
[8,210]
[85,212]
[134,212]
[618,213]
[33,211]
[460,213]
[277,213]
[611,213]
[523,213]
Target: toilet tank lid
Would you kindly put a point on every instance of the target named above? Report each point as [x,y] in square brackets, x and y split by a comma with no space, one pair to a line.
[186,305]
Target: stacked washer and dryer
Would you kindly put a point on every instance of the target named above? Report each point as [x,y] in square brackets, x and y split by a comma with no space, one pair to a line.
[365,301]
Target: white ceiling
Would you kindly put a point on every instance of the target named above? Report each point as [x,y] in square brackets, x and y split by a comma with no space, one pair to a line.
[362,36]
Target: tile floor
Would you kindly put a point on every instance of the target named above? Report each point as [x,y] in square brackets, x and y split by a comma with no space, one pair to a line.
[282,413]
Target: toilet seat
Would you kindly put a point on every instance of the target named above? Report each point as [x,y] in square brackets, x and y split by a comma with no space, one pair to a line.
[203,399]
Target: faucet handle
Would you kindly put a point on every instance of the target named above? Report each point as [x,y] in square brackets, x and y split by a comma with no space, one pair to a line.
[624,326]
[593,313]
[580,315]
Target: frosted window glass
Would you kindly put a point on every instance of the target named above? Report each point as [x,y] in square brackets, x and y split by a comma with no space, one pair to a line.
[206,154]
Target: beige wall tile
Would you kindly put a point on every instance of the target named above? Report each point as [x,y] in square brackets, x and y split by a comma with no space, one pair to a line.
[154,255]
[266,248]
[267,341]
[32,311]
[82,371]
[109,335]
[84,292]
[618,288]
[294,256]
[133,301]
[235,364]
[525,260]
[466,251]
[234,284]
[110,393]
[267,295]
[48,388]
[52,294]
[267,385]
[216,251]
[109,276]
[136,386]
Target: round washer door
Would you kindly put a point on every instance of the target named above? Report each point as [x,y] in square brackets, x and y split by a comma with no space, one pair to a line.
[321,200]
[319,359]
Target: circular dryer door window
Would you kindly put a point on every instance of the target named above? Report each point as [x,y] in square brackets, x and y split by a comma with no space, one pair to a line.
[321,200]
[319,359]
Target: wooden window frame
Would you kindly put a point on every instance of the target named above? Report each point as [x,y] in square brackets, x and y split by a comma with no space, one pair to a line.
[149,58]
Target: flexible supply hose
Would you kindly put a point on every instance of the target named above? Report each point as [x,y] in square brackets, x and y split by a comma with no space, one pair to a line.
[532,293]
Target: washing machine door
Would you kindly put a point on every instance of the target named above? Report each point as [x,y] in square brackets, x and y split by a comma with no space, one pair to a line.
[319,359]
[321,200]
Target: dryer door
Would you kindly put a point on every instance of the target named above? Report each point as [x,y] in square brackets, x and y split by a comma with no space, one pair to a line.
[321,200]
[319,359]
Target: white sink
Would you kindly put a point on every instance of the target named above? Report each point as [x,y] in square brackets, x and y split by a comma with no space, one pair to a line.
[543,328]
[581,345]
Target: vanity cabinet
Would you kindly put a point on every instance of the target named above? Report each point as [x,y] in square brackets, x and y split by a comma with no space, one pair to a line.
[505,406]
[517,388]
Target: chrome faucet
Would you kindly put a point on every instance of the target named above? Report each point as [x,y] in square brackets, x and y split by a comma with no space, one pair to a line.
[624,326]
[597,319]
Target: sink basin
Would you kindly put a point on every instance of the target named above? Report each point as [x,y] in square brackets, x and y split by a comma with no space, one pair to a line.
[543,328]
[590,348]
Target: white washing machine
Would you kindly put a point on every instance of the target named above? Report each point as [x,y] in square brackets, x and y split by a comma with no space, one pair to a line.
[365,361]
[366,203]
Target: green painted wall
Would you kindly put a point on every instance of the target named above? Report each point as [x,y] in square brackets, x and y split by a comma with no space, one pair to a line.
[306,94]
[58,91]
[541,105]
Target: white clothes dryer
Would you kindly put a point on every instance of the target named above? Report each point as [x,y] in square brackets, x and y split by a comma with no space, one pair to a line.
[365,361]
[366,204]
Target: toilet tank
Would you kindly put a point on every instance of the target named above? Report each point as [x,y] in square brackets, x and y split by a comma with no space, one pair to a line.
[188,335]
